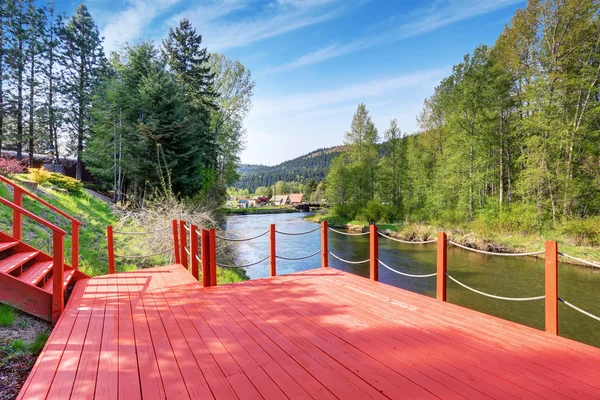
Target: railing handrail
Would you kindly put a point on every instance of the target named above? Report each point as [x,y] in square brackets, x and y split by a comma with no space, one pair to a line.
[40,200]
[32,216]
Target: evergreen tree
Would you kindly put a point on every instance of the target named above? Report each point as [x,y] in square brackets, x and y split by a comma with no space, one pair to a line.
[82,61]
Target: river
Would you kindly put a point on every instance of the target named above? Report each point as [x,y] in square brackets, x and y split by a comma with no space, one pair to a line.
[502,276]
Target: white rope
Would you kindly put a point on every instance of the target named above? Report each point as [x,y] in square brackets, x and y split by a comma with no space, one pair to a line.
[533,253]
[349,234]
[494,296]
[299,233]
[580,310]
[241,266]
[349,262]
[404,273]
[187,251]
[591,264]
[143,233]
[300,258]
[187,228]
[198,258]
[407,241]
[242,240]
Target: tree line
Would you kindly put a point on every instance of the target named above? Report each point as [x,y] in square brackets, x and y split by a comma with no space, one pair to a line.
[146,117]
[513,134]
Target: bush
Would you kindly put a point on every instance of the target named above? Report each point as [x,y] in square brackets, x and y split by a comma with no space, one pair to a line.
[65,182]
[39,175]
[7,315]
[373,212]
[11,167]
[583,231]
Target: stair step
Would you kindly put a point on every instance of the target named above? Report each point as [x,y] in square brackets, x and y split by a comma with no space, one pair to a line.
[67,276]
[16,260]
[7,245]
[36,272]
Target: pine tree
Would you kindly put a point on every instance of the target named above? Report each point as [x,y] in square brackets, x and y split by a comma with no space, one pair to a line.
[34,49]
[82,61]
[49,71]
[4,16]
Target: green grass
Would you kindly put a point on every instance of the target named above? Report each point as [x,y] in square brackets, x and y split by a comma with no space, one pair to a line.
[38,343]
[7,315]
[18,345]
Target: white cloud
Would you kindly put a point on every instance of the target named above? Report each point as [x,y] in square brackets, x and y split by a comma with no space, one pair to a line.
[129,24]
[421,21]
[304,102]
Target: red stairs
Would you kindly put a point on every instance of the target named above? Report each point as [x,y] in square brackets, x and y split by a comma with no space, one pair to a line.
[31,280]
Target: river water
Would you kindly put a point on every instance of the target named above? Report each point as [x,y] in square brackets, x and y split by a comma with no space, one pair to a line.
[502,276]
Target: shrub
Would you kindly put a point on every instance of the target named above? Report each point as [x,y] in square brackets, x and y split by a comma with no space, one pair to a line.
[583,231]
[11,167]
[7,315]
[38,344]
[39,175]
[65,182]
[373,211]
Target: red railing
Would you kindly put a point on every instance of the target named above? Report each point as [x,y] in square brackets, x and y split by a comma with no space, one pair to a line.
[58,242]
[18,193]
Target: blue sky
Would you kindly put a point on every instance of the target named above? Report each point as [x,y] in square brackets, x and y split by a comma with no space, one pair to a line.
[314,60]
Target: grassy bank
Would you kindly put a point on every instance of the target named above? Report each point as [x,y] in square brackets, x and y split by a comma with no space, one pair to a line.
[475,235]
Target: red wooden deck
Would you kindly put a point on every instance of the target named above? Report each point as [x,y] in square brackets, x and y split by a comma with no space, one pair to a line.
[319,334]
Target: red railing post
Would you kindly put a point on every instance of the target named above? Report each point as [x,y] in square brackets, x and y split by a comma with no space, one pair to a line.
[212,245]
[551,283]
[176,249]
[205,254]
[58,297]
[111,249]
[75,244]
[272,250]
[374,252]
[17,217]
[324,245]
[442,266]
[194,250]
[183,244]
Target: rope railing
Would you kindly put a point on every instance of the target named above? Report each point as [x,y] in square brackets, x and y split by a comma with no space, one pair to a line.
[404,273]
[493,296]
[298,233]
[407,241]
[187,251]
[349,262]
[348,234]
[143,233]
[532,253]
[242,266]
[241,240]
[597,318]
[300,258]
[187,228]
[144,256]
[591,264]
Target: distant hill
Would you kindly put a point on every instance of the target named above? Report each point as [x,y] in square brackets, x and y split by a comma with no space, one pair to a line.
[312,165]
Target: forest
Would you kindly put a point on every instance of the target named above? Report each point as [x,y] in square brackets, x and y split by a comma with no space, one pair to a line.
[143,119]
[511,137]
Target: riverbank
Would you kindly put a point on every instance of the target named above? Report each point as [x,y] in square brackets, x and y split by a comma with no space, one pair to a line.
[258,210]
[479,239]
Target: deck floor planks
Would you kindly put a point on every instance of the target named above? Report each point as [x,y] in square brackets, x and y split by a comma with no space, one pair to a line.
[338,379]
[271,343]
[44,370]
[316,334]
[379,376]
[480,328]
[406,365]
[510,374]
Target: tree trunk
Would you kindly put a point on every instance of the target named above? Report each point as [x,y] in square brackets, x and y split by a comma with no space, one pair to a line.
[20,67]
[31,106]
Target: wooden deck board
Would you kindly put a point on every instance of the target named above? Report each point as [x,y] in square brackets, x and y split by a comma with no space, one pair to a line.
[158,334]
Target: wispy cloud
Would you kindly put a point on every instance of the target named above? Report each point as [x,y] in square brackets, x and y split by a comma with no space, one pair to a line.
[309,102]
[420,21]
[129,24]
[224,28]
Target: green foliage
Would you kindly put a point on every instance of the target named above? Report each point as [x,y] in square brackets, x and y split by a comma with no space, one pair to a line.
[584,232]
[65,182]
[39,175]
[373,212]
[7,315]
[18,345]
[38,343]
